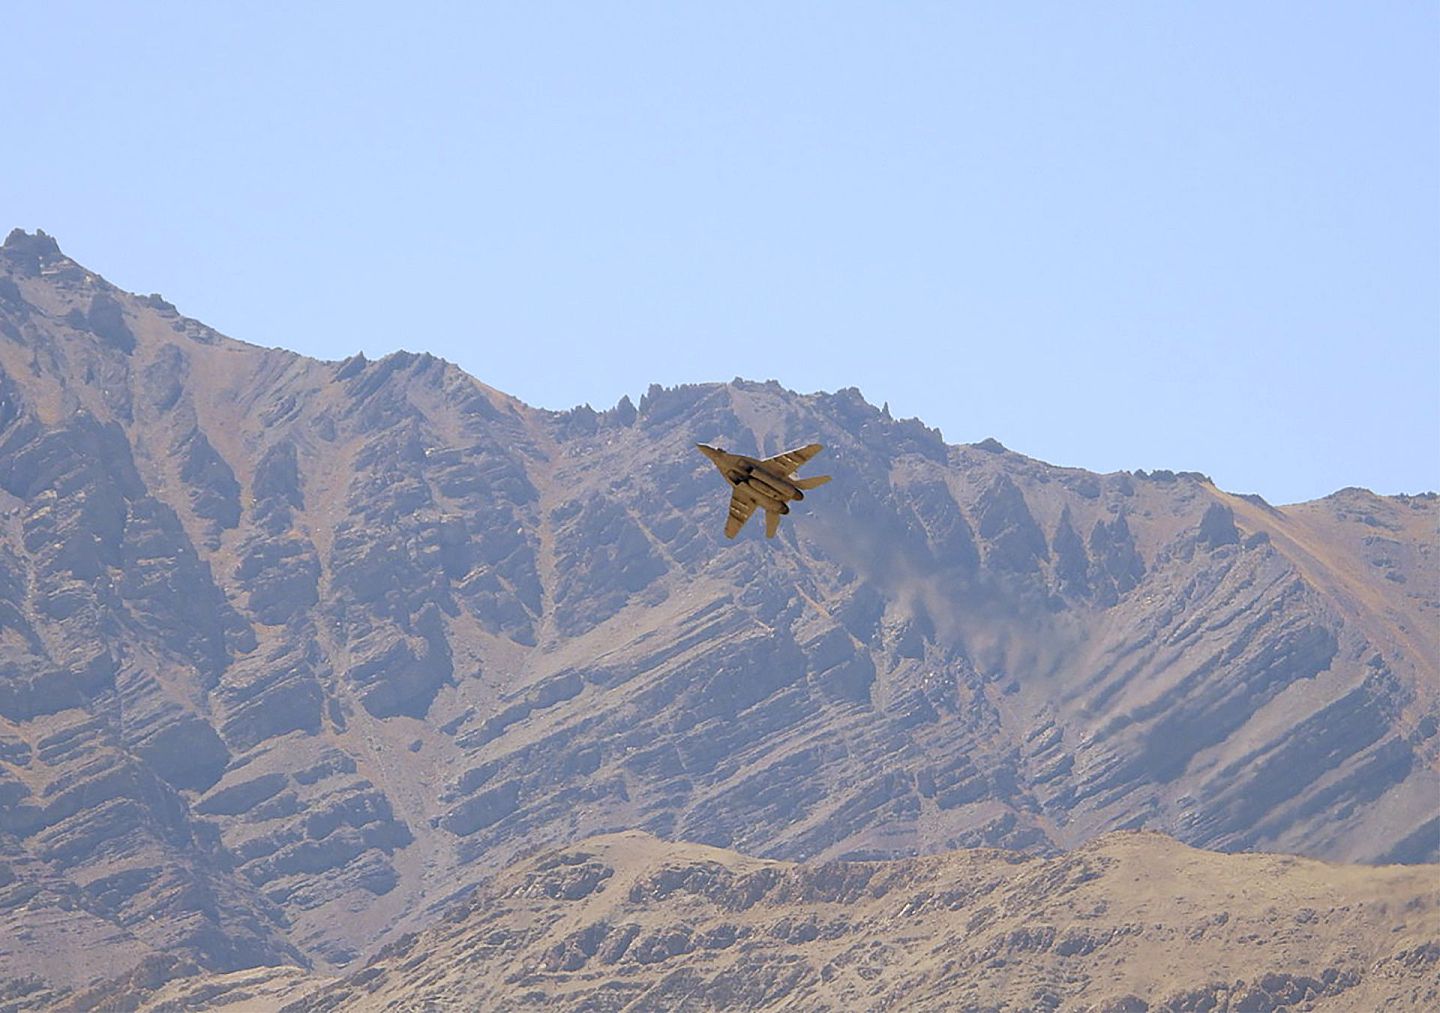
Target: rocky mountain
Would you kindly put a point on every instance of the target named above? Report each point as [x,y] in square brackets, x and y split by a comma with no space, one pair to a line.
[295,653]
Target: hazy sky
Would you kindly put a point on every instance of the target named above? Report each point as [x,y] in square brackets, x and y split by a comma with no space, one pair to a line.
[1191,236]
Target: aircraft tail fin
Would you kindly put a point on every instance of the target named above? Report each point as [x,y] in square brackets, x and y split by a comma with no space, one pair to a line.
[814,481]
[772,523]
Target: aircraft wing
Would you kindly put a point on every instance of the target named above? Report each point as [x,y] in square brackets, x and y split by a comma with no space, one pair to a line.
[741,507]
[787,462]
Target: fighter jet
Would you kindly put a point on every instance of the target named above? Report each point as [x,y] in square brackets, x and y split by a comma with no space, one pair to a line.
[768,483]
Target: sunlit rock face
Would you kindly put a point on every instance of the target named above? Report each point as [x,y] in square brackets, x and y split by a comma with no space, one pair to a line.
[293,651]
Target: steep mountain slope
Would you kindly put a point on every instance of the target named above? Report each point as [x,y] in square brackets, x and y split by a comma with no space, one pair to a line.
[295,651]
[1126,922]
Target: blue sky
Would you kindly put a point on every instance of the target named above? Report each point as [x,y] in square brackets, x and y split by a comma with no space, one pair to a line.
[1190,236]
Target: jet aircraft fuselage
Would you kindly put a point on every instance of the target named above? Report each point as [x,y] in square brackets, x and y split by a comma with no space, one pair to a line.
[769,483]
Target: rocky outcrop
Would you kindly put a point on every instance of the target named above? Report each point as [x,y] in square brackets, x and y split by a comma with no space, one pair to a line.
[603,559]
[214,493]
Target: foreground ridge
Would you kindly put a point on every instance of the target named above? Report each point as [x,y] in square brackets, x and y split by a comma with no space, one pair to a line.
[1128,922]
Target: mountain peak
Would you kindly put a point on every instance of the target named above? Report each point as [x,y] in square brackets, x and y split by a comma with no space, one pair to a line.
[41,240]
[31,251]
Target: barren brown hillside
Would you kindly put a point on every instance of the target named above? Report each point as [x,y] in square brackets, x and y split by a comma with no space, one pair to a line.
[293,653]
[1128,922]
